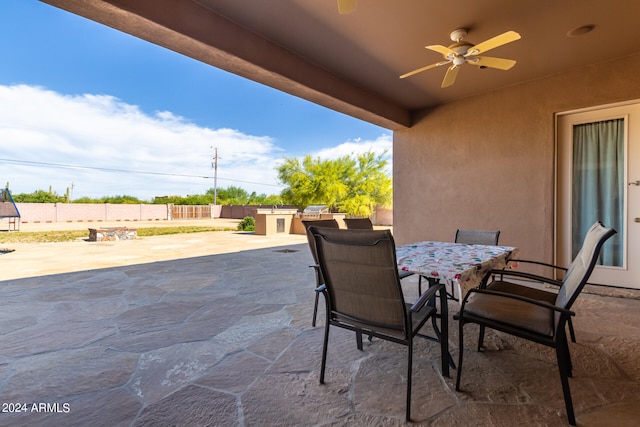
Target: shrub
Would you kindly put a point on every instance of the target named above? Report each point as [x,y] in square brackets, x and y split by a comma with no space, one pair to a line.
[248,223]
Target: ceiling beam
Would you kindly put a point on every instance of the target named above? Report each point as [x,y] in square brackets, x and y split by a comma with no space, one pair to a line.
[192,30]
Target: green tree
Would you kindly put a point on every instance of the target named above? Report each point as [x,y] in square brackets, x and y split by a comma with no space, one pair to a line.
[263,199]
[193,199]
[87,200]
[39,196]
[350,184]
[122,200]
[231,195]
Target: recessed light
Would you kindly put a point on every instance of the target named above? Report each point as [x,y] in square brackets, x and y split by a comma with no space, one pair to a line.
[581,31]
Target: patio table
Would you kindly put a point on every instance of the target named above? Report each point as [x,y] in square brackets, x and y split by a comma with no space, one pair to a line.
[461,264]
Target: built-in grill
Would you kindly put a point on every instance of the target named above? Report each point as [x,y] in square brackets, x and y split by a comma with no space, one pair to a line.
[314,211]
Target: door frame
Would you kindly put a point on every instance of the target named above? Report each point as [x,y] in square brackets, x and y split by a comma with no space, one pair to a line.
[560,222]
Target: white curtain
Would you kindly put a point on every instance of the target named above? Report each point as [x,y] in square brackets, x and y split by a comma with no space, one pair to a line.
[598,184]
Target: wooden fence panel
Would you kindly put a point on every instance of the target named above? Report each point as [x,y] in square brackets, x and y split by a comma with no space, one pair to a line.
[191,212]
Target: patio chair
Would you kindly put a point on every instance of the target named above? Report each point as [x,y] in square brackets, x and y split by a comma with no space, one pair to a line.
[329,223]
[358,223]
[474,237]
[534,319]
[477,237]
[363,293]
[366,224]
[531,292]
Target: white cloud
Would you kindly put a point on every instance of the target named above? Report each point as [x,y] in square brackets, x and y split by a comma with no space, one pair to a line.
[41,131]
[40,128]
[378,146]
[383,145]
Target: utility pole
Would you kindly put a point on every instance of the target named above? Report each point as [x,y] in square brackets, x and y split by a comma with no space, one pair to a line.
[214,163]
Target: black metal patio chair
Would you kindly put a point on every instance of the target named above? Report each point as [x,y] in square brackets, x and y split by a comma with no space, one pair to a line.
[530,318]
[477,237]
[363,293]
[474,237]
[366,224]
[329,223]
[358,223]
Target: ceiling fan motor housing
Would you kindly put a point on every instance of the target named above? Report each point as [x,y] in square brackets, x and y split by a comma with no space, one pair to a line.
[459,34]
[460,48]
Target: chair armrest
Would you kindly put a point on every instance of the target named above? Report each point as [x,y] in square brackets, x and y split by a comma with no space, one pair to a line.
[426,296]
[517,297]
[530,276]
[527,261]
[316,268]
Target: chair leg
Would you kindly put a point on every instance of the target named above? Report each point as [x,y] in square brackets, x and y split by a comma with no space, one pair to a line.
[567,355]
[419,285]
[571,332]
[563,359]
[460,351]
[324,351]
[445,356]
[359,340]
[409,371]
[315,309]
[481,338]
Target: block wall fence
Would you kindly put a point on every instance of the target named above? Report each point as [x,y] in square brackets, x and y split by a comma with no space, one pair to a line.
[91,212]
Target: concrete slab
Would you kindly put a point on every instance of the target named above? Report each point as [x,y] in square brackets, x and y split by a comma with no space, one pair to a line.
[29,259]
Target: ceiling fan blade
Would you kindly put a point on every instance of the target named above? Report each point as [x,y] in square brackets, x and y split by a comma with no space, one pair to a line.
[450,77]
[492,43]
[428,67]
[487,61]
[347,6]
[441,49]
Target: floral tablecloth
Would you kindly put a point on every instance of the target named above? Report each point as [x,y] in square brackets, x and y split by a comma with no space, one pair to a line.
[465,265]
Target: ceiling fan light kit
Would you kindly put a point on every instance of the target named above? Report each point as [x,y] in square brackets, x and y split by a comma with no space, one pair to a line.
[462,51]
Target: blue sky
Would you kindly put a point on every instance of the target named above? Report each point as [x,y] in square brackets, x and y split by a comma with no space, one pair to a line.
[75,92]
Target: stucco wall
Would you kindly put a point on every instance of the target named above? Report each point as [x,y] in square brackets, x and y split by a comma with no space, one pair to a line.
[382,216]
[487,162]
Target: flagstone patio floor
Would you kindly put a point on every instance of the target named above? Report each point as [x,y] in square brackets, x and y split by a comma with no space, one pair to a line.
[225,339]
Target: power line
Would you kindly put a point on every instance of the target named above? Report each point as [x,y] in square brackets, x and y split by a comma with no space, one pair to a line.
[67,166]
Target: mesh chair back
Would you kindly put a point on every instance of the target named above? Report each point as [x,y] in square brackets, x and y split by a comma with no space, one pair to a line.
[477,237]
[580,269]
[358,223]
[327,223]
[361,275]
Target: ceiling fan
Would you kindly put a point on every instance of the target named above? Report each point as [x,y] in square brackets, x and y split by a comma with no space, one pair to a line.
[463,51]
[347,6]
